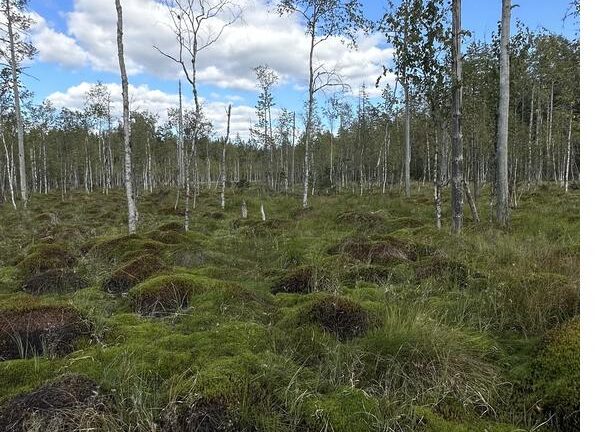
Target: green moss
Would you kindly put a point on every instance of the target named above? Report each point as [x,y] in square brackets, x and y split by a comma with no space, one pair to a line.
[114,248]
[168,293]
[44,257]
[556,376]
[22,375]
[344,410]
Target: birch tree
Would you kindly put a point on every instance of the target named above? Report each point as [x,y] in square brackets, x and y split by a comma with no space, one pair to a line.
[196,24]
[322,19]
[502,197]
[457,148]
[15,51]
[131,207]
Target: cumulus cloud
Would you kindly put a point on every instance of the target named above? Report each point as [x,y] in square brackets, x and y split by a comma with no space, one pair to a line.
[261,37]
[143,98]
[54,46]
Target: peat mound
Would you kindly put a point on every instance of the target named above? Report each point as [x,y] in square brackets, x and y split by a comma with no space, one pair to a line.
[202,415]
[382,250]
[438,266]
[133,272]
[53,281]
[163,295]
[63,405]
[41,330]
[302,280]
[340,316]
[361,219]
[44,257]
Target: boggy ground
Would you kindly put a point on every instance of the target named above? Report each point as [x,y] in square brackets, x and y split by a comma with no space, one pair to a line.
[354,315]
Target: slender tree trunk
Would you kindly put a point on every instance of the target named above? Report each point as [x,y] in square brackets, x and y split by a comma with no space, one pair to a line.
[502,210]
[407,145]
[437,189]
[308,134]
[131,207]
[9,170]
[471,201]
[530,140]
[457,147]
[17,102]
[223,172]
[568,162]
[244,212]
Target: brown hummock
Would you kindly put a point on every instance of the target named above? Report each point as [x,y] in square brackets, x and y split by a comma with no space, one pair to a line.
[38,331]
[133,272]
[62,405]
[302,280]
[53,281]
[338,315]
[203,415]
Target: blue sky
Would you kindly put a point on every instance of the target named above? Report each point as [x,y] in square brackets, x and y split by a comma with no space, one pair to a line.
[76,43]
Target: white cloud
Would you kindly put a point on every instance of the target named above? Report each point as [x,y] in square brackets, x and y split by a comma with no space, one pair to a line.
[56,47]
[262,37]
[143,98]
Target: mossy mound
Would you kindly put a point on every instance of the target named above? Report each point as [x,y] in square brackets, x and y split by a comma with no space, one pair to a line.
[170,237]
[376,274]
[202,415]
[46,257]
[172,211]
[114,248]
[187,256]
[384,250]
[362,219]
[556,377]
[172,226]
[408,222]
[303,280]
[344,410]
[133,272]
[56,233]
[165,294]
[439,266]
[66,404]
[39,330]
[53,281]
[216,215]
[47,217]
[338,315]
[253,227]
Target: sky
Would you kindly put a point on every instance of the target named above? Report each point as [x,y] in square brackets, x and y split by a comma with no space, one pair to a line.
[76,41]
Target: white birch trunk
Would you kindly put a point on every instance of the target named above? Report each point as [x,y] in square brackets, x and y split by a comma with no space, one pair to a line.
[131,207]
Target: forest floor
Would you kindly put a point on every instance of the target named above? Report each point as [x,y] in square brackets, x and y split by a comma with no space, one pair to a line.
[354,315]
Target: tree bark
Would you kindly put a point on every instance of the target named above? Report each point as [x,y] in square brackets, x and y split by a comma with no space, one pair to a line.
[223,172]
[502,207]
[17,102]
[407,145]
[457,147]
[131,207]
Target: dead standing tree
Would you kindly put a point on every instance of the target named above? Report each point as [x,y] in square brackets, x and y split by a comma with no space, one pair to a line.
[196,24]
